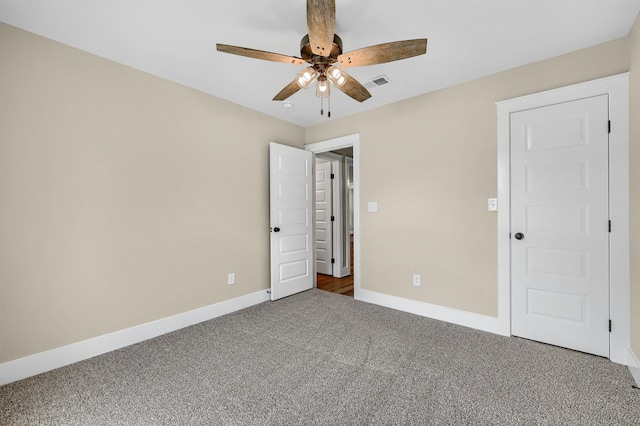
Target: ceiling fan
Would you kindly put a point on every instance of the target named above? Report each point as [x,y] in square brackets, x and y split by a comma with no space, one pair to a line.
[322,49]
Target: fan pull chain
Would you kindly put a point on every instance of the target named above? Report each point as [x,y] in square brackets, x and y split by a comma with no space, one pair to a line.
[329,102]
[321,106]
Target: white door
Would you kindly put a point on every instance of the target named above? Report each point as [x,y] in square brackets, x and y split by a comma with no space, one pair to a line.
[324,224]
[560,225]
[291,220]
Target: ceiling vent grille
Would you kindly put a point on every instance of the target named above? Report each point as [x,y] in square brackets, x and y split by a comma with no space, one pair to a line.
[378,81]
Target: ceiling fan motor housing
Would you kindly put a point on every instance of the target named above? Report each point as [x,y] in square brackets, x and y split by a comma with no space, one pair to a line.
[320,63]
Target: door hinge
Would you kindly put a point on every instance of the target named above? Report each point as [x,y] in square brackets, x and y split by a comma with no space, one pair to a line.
[333,218]
[609,226]
[609,326]
[609,126]
[333,261]
[333,176]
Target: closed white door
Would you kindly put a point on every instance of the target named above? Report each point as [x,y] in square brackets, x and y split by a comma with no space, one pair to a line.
[560,225]
[324,224]
[291,220]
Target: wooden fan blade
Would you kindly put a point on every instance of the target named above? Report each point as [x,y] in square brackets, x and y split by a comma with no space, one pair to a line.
[259,54]
[321,21]
[381,53]
[289,90]
[354,89]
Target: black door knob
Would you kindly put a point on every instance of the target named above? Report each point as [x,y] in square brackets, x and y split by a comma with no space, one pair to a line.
[519,236]
[276,229]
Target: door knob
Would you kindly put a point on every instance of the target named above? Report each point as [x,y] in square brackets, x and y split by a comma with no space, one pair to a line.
[519,236]
[276,229]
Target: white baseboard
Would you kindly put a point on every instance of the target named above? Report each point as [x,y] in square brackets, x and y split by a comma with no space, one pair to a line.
[634,366]
[455,316]
[46,361]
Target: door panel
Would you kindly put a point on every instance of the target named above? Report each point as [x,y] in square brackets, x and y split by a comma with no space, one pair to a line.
[291,203]
[559,184]
[324,225]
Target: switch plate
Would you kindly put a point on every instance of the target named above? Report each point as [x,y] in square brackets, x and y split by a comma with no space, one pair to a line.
[416,280]
[231,278]
[372,207]
[492,204]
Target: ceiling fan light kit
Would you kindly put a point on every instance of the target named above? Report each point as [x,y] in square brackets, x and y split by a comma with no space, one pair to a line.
[322,50]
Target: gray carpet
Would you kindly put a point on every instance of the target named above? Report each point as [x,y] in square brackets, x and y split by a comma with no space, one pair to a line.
[318,358]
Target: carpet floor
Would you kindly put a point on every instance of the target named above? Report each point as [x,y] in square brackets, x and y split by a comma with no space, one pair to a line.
[319,358]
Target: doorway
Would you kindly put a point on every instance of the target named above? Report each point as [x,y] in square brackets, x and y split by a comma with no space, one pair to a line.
[344,278]
[334,221]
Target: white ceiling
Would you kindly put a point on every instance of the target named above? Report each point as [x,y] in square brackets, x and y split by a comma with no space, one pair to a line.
[176,40]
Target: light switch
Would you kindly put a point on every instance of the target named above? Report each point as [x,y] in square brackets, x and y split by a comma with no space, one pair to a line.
[493,204]
[373,207]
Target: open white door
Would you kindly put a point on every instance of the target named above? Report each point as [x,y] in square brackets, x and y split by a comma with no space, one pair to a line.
[324,221]
[291,220]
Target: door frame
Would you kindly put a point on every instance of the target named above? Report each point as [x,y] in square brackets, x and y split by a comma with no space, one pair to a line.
[349,141]
[617,88]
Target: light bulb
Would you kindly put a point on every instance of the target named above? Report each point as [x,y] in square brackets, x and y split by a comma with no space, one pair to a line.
[306,77]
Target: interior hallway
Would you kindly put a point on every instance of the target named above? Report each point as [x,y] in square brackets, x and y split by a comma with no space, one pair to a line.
[343,285]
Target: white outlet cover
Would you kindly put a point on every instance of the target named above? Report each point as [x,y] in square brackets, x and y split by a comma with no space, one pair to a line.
[372,207]
[492,204]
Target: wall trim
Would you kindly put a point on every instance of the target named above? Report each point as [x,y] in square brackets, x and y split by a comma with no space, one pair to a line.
[617,88]
[634,366]
[46,361]
[437,312]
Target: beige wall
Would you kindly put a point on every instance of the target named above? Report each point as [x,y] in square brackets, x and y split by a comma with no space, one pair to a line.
[634,178]
[430,163]
[124,198]
[120,201]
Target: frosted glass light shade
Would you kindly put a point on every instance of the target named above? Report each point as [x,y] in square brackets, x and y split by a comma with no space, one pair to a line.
[336,76]
[306,77]
[322,87]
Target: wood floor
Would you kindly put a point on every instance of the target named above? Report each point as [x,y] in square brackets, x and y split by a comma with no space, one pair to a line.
[338,285]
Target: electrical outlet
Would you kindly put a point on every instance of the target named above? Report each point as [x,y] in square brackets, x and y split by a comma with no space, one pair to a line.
[416,280]
[231,278]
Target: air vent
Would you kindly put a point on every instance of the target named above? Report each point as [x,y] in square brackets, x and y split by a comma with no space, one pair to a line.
[378,81]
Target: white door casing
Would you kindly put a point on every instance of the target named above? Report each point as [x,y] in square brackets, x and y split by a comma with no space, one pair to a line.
[617,88]
[347,185]
[324,224]
[559,225]
[291,220]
